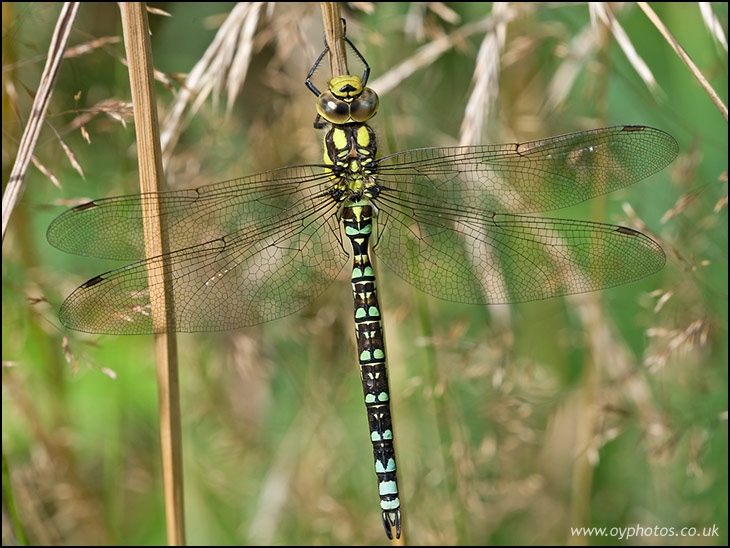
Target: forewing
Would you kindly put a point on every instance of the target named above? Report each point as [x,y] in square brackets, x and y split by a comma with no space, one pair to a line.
[112,228]
[529,177]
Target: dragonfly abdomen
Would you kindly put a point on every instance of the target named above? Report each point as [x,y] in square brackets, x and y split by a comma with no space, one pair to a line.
[358,221]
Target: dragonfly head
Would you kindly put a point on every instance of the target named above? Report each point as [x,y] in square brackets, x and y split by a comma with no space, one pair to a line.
[347,101]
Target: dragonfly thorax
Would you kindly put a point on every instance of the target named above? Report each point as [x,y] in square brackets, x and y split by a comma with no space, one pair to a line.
[349,153]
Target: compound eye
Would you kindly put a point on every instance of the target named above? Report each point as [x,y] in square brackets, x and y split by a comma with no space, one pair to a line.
[333,109]
[363,108]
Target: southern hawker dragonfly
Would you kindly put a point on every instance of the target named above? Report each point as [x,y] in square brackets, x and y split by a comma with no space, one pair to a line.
[455,222]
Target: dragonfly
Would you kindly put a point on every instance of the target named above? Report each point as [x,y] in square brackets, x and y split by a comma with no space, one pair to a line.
[455,222]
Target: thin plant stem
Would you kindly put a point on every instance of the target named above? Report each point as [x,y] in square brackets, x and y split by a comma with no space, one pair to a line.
[13,191]
[334,32]
[139,56]
[684,56]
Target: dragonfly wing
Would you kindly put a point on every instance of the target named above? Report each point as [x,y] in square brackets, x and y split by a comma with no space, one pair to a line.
[476,257]
[112,228]
[241,279]
[530,177]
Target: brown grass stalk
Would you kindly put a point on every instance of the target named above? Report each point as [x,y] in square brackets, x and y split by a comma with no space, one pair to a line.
[139,56]
[684,56]
[333,32]
[14,188]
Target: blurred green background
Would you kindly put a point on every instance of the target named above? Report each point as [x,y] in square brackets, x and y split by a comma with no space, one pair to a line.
[513,424]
